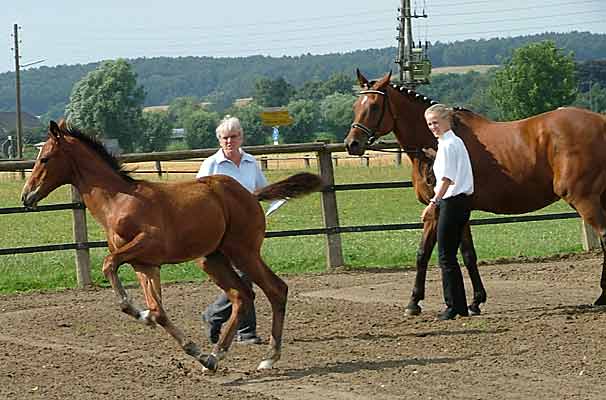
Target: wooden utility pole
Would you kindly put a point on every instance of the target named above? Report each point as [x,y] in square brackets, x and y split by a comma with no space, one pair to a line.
[18,94]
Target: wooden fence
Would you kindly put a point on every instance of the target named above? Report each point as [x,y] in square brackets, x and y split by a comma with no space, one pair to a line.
[332,229]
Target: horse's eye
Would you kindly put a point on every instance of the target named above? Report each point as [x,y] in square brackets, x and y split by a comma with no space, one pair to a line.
[44,160]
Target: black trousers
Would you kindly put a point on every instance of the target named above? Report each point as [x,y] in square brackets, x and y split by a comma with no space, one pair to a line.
[454,214]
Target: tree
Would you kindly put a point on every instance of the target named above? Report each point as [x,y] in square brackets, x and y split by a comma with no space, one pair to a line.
[157,131]
[254,131]
[273,93]
[594,99]
[181,107]
[538,78]
[306,116]
[200,128]
[108,101]
[337,113]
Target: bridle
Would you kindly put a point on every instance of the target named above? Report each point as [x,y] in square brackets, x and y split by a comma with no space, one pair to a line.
[371,133]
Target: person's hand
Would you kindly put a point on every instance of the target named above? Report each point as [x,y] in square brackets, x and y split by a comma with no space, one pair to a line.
[428,212]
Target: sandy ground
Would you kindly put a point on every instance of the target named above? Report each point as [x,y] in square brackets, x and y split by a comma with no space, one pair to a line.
[346,338]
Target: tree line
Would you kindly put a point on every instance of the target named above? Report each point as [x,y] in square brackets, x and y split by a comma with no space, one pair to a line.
[46,90]
[108,101]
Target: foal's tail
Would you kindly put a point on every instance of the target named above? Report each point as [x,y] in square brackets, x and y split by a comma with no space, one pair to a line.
[294,186]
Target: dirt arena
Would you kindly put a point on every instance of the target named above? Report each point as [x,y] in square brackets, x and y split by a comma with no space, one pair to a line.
[346,338]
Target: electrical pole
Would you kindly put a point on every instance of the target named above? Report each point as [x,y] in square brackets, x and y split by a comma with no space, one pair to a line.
[18,95]
[414,64]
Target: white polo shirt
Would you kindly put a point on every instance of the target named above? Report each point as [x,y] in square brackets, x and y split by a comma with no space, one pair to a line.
[249,172]
[452,162]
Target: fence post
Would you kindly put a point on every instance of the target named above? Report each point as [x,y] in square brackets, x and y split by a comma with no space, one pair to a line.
[398,159]
[80,237]
[159,168]
[263,160]
[589,237]
[334,250]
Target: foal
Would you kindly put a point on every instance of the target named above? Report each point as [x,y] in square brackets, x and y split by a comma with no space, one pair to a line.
[213,220]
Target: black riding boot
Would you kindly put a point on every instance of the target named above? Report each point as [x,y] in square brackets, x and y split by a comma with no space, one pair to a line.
[454,293]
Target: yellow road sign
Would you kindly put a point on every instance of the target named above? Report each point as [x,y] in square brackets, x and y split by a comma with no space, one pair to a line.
[276,116]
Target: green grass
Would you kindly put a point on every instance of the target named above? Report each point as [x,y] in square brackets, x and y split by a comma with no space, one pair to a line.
[55,270]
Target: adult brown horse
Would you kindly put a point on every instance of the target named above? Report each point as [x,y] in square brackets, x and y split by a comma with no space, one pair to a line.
[213,220]
[518,166]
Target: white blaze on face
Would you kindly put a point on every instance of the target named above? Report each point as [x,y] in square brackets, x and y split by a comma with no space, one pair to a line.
[364,100]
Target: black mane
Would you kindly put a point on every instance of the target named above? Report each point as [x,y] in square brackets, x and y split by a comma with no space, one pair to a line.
[414,95]
[98,147]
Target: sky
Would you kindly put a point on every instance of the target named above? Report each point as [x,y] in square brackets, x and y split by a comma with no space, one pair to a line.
[78,32]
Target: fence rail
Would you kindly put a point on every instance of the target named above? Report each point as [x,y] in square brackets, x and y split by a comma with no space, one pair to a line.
[331,230]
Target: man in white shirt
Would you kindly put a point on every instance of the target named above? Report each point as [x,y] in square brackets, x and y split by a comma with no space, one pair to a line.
[231,160]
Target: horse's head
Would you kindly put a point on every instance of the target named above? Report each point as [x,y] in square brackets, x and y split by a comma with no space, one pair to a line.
[51,170]
[373,115]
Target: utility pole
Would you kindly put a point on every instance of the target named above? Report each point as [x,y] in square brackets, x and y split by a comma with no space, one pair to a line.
[415,67]
[18,95]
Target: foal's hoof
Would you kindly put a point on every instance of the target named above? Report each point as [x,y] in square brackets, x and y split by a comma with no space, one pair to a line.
[412,310]
[147,318]
[266,364]
[474,309]
[210,364]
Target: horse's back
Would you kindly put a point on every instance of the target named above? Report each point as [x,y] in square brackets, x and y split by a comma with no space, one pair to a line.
[198,216]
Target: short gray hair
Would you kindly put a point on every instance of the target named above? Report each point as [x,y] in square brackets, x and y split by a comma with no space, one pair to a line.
[229,124]
[441,110]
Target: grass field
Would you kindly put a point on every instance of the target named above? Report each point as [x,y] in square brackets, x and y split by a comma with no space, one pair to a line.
[55,270]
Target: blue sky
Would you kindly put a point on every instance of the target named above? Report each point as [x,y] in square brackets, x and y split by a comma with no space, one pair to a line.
[79,32]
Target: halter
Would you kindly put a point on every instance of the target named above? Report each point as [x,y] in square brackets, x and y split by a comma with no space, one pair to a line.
[370,133]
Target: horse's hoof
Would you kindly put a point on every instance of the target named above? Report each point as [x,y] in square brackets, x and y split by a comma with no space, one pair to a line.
[474,309]
[412,310]
[265,364]
[147,318]
[211,363]
[601,301]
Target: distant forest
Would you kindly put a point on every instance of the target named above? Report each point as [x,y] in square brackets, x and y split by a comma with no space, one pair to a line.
[46,90]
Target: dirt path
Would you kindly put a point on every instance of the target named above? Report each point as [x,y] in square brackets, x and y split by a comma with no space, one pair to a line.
[346,339]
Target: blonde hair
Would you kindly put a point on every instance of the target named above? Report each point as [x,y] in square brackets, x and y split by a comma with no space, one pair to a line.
[441,111]
[229,124]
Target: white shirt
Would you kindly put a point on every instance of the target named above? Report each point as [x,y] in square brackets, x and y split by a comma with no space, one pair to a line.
[249,172]
[452,162]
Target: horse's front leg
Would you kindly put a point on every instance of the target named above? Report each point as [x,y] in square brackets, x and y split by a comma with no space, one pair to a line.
[428,242]
[149,279]
[111,263]
[470,259]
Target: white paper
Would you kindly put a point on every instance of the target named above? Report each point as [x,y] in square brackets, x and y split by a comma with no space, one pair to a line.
[274,206]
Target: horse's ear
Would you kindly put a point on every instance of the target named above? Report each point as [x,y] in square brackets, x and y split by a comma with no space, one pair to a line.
[384,81]
[54,130]
[361,79]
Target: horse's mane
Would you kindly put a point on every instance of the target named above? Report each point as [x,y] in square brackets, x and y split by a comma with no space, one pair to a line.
[95,144]
[414,95]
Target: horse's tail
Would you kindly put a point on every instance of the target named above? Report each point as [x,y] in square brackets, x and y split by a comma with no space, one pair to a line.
[294,186]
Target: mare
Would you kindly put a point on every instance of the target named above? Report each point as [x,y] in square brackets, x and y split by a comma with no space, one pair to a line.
[518,166]
[213,220]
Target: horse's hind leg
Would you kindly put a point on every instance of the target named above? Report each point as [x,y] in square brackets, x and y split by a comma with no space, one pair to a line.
[592,212]
[276,291]
[428,242]
[470,259]
[219,269]
[149,279]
